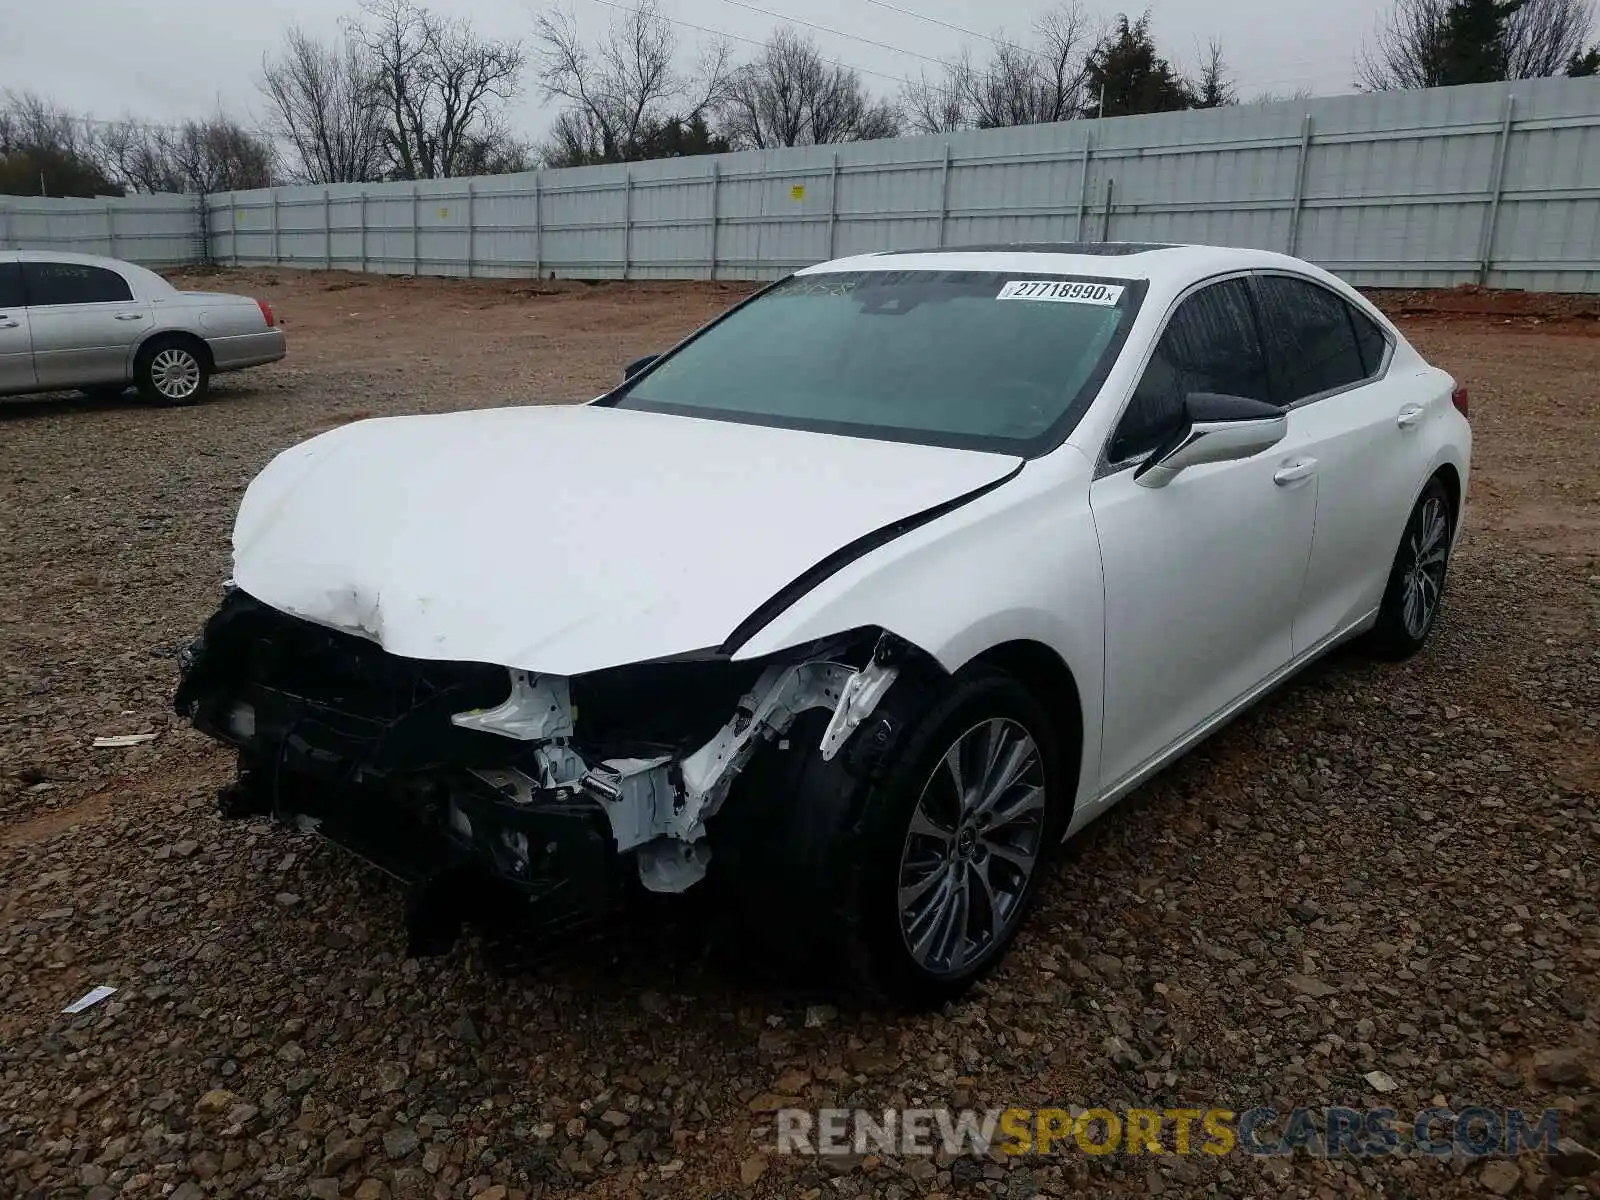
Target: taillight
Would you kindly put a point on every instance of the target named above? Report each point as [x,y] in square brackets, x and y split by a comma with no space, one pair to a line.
[1459,399]
[272,321]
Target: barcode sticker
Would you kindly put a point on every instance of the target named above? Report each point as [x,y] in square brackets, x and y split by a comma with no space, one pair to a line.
[1063,291]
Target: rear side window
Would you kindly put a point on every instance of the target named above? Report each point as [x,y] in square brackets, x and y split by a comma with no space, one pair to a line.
[1310,337]
[1210,345]
[1371,339]
[73,283]
[10,286]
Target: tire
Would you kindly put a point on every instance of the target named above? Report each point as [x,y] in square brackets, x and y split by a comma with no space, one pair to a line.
[821,851]
[1415,592]
[172,371]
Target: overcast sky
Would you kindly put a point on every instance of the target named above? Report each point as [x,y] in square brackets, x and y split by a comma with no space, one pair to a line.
[165,60]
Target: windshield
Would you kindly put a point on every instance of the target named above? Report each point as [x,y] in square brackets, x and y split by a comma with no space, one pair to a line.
[984,360]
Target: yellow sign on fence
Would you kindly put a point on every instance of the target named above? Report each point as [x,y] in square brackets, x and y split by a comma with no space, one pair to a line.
[797,192]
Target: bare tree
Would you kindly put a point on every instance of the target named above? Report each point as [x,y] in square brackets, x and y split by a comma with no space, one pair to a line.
[1412,49]
[1543,37]
[1018,85]
[789,96]
[623,90]
[323,101]
[215,155]
[46,150]
[439,84]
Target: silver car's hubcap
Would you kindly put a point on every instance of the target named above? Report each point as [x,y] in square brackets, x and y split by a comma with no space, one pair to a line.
[972,847]
[1427,544]
[176,374]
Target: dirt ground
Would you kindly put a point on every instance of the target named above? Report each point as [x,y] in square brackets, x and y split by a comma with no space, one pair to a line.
[1382,869]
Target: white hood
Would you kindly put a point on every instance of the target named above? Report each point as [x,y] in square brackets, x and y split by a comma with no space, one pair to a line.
[566,539]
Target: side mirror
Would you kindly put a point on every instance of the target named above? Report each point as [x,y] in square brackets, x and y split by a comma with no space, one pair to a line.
[637,365]
[1215,429]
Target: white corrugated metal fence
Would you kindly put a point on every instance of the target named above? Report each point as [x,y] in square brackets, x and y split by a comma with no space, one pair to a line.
[1498,184]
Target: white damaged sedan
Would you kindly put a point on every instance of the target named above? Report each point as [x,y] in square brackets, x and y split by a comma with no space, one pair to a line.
[857,602]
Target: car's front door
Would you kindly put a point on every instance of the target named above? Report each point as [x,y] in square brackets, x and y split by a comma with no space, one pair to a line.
[1329,366]
[1202,575]
[16,347]
[85,322]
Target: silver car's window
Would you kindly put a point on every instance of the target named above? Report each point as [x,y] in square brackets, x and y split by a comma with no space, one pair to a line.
[51,283]
[987,360]
[10,286]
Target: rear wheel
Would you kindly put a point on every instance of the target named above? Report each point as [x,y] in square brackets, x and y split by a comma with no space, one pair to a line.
[172,371]
[1415,591]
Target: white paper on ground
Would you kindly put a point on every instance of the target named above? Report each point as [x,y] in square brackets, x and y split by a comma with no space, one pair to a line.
[89,999]
[123,740]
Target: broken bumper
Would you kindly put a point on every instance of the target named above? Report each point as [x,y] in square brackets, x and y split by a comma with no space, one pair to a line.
[443,773]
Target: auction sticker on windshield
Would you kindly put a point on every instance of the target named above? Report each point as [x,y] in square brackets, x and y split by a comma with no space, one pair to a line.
[1062,290]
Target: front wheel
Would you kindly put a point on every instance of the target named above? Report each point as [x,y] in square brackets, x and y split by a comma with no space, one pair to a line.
[1416,580]
[172,371]
[914,874]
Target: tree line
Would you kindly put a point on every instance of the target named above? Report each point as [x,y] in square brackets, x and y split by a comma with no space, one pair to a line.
[409,92]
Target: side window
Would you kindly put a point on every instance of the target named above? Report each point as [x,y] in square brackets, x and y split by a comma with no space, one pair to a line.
[1372,340]
[10,286]
[1210,345]
[73,283]
[1311,340]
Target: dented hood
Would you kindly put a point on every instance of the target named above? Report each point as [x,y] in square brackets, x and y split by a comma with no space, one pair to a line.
[567,539]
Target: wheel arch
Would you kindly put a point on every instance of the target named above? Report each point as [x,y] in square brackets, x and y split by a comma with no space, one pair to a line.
[1046,674]
[192,340]
[1451,478]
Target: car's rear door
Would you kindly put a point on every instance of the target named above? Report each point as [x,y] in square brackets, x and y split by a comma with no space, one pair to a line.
[85,321]
[1329,365]
[16,346]
[1202,575]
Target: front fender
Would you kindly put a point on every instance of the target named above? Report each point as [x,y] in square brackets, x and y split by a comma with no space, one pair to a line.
[1021,564]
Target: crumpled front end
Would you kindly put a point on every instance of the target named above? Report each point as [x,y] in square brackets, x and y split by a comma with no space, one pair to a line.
[488,788]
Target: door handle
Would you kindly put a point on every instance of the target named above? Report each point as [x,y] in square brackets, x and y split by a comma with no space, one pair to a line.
[7,324]
[130,316]
[1296,472]
[1411,416]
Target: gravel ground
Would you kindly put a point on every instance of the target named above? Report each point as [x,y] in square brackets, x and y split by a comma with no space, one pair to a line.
[1381,869]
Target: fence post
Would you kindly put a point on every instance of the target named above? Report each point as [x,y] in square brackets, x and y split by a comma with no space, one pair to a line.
[1299,185]
[944,194]
[233,225]
[327,232]
[538,226]
[627,220]
[5,223]
[472,199]
[416,229]
[276,242]
[833,205]
[1105,222]
[1496,187]
[111,230]
[361,215]
[1083,186]
[716,187]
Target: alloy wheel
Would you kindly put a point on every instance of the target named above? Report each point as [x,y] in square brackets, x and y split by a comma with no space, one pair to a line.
[1428,548]
[973,846]
[175,373]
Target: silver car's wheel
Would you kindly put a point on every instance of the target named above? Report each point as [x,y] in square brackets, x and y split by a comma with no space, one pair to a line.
[175,373]
[973,846]
[172,371]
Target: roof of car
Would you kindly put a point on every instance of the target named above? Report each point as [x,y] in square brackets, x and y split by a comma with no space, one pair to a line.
[1118,260]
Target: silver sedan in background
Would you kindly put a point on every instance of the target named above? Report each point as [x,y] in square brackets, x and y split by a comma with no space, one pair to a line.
[99,324]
